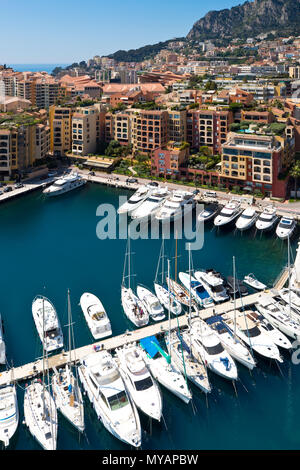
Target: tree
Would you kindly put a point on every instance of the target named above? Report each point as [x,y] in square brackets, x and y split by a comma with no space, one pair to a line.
[295,173]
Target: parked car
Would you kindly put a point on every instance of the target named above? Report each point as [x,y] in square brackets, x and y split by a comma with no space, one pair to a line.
[7,189]
[18,185]
[92,173]
[1,192]
[131,180]
[210,194]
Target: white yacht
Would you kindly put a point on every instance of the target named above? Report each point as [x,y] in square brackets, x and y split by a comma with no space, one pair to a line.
[208,213]
[198,291]
[150,206]
[176,206]
[209,347]
[2,344]
[235,346]
[65,184]
[229,213]
[267,219]
[289,295]
[105,388]
[151,303]
[286,227]
[133,308]
[251,280]
[140,385]
[163,369]
[9,413]
[183,357]
[250,333]
[247,219]
[213,284]
[135,200]
[46,319]
[95,315]
[40,414]
[67,396]
[276,335]
[180,292]
[163,296]
[279,317]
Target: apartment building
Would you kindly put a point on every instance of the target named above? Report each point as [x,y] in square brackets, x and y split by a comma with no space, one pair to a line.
[166,161]
[149,130]
[21,146]
[208,127]
[254,161]
[294,72]
[177,126]
[85,126]
[60,120]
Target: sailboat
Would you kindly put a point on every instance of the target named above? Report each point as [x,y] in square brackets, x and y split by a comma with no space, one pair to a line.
[228,337]
[9,412]
[181,349]
[39,407]
[161,292]
[65,387]
[132,306]
[161,365]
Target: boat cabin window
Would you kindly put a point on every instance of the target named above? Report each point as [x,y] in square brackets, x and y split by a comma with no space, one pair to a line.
[143,384]
[118,400]
[252,332]
[152,199]
[51,333]
[247,217]
[212,350]
[219,288]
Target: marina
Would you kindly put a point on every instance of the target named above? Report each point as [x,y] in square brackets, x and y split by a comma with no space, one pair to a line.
[64,272]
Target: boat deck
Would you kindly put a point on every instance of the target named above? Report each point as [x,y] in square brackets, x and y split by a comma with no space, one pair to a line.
[32,369]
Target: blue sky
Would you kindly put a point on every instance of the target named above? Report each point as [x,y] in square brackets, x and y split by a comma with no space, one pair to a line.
[65,31]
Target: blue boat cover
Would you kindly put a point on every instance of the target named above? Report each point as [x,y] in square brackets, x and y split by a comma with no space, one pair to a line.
[150,344]
[220,325]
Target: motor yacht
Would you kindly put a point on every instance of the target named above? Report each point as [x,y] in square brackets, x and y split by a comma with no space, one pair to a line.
[276,335]
[151,303]
[247,219]
[105,388]
[267,219]
[235,346]
[289,295]
[229,213]
[251,280]
[176,206]
[236,286]
[65,184]
[198,291]
[139,383]
[213,284]
[286,227]
[163,369]
[251,334]
[9,413]
[208,213]
[151,204]
[46,319]
[165,299]
[135,200]
[279,317]
[95,316]
[209,347]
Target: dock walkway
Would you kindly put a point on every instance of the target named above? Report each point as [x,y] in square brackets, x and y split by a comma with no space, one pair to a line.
[32,369]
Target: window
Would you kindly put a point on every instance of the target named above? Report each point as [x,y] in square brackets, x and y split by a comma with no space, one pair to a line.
[143,384]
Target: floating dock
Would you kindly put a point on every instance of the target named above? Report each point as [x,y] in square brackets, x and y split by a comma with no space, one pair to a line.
[33,369]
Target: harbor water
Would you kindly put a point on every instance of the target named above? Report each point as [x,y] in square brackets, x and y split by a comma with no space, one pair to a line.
[50,245]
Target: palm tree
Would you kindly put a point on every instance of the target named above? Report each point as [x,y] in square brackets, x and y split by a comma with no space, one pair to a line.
[295,173]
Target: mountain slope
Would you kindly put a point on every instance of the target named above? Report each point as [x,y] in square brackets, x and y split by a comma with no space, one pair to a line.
[249,19]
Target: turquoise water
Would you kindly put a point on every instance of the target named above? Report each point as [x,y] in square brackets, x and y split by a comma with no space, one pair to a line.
[35,67]
[50,245]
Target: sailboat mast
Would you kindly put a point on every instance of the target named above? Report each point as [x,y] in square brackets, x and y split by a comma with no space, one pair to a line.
[176,259]
[234,295]
[169,313]
[162,261]
[289,272]
[190,295]
[128,254]
[69,324]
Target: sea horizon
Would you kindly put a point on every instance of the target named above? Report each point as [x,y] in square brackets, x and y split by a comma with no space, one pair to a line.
[31,67]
